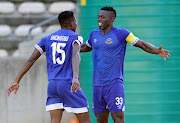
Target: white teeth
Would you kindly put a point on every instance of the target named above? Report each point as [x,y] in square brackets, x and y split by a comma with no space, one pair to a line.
[100,24]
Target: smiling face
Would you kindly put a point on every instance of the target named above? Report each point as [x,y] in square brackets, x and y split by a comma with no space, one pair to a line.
[105,19]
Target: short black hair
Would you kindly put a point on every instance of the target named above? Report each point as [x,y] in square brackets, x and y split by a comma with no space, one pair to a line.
[108,8]
[66,17]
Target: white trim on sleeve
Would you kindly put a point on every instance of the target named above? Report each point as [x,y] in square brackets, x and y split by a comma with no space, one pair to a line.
[77,42]
[135,41]
[54,106]
[39,48]
[88,44]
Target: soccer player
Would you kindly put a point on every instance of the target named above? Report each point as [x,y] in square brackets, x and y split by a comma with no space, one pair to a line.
[108,45]
[62,55]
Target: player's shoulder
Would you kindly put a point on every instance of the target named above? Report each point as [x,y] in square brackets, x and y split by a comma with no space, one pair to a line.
[77,37]
[120,29]
[95,31]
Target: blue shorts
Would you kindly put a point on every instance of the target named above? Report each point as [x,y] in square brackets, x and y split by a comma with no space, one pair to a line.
[60,97]
[110,97]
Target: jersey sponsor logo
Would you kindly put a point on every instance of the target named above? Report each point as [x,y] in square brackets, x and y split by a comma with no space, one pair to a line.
[109,41]
[59,37]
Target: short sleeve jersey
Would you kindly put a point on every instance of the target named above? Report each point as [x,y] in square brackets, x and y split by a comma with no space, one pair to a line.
[58,48]
[108,52]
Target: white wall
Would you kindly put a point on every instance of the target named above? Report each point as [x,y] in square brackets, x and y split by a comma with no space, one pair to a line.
[28,105]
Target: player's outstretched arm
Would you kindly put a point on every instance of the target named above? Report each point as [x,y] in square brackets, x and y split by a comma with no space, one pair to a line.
[152,49]
[75,65]
[85,48]
[15,85]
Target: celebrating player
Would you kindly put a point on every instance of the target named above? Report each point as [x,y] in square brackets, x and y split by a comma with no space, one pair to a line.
[108,45]
[62,55]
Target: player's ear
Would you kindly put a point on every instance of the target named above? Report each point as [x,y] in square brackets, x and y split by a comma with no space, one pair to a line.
[112,19]
[71,24]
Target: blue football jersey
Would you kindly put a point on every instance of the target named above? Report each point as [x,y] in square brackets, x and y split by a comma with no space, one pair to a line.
[58,48]
[108,53]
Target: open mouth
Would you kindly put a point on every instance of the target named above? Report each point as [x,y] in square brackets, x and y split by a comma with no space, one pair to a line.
[100,24]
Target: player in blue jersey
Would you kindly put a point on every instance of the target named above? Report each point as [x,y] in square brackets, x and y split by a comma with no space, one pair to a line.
[108,45]
[62,55]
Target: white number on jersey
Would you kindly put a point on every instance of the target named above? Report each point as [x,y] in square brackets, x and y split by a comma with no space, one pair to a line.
[119,100]
[57,48]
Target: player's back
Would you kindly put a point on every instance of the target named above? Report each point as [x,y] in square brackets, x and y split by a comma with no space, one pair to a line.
[58,48]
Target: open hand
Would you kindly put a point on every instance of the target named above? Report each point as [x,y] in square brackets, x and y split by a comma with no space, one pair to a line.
[14,86]
[75,85]
[163,53]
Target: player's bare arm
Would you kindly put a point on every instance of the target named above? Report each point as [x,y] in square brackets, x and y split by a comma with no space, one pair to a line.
[15,85]
[152,49]
[85,48]
[75,65]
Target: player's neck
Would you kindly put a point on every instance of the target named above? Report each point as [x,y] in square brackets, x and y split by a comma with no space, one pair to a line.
[106,30]
[66,27]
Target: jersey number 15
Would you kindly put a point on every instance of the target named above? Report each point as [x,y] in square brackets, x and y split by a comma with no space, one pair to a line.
[57,48]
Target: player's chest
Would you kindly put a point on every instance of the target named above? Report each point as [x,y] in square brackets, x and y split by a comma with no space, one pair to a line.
[105,42]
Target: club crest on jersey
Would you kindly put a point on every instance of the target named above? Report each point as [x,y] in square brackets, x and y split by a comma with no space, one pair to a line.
[109,41]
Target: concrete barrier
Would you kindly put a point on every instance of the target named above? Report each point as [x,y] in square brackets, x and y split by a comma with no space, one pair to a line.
[28,105]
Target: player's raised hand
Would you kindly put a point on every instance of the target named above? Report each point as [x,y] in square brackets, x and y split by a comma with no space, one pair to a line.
[75,84]
[163,53]
[14,86]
